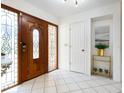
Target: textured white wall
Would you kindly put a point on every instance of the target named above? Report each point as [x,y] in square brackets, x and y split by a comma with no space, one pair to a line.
[114,10]
[30,9]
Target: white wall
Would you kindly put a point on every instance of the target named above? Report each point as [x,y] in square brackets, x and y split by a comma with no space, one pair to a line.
[63,46]
[30,9]
[114,10]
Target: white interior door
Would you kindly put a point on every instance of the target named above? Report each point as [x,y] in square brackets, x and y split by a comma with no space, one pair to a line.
[77,48]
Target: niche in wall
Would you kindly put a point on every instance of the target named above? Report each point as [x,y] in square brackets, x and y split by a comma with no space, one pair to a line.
[102,34]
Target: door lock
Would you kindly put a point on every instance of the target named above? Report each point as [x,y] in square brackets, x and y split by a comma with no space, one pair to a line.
[83,50]
[23,47]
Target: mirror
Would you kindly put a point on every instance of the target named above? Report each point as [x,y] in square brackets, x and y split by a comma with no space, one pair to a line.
[102,35]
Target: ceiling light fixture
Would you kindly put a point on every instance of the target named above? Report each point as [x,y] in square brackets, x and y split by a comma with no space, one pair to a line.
[64,1]
[75,2]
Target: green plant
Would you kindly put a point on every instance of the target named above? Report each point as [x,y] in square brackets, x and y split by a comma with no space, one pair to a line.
[101,46]
[3,54]
[100,70]
[106,71]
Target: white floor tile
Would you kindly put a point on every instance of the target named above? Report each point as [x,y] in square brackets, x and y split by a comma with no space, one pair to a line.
[38,90]
[50,90]
[83,85]
[25,87]
[91,83]
[38,85]
[73,87]
[62,89]
[50,83]
[111,89]
[40,80]
[101,90]
[100,82]
[30,82]
[118,86]
[78,79]
[25,91]
[60,81]
[69,80]
[89,90]
[77,91]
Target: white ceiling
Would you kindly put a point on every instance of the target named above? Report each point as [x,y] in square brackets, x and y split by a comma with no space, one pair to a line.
[60,9]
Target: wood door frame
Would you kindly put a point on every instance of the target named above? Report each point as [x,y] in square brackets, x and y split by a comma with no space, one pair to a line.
[20,36]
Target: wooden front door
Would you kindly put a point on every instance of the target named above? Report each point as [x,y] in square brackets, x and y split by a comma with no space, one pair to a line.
[34,47]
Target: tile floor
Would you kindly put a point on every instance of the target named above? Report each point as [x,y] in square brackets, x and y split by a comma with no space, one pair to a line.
[60,81]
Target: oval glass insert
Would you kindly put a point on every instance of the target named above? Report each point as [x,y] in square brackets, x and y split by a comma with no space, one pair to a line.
[35,43]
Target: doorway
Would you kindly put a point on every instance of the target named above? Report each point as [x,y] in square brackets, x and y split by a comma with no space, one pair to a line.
[25,45]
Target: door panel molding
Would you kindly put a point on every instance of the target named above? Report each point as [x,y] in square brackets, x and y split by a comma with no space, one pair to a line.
[30,68]
[78,47]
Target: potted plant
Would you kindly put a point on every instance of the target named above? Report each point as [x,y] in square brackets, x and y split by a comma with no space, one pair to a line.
[95,69]
[106,71]
[101,48]
[100,70]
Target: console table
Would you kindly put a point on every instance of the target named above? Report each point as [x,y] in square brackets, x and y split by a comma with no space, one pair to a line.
[101,65]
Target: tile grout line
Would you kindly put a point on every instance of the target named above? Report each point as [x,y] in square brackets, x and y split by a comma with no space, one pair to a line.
[33,85]
[104,87]
[107,89]
[91,86]
[77,84]
[64,82]
[84,88]
[113,87]
[55,85]
[67,85]
[116,88]
[44,83]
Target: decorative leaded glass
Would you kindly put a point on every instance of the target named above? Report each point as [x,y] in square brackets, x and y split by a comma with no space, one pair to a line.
[52,47]
[35,44]
[9,41]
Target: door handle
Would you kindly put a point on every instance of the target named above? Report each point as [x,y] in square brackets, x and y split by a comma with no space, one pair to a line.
[23,46]
[82,50]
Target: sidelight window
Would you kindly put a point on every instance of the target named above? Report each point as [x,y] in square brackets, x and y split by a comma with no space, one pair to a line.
[9,48]
[52,35]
